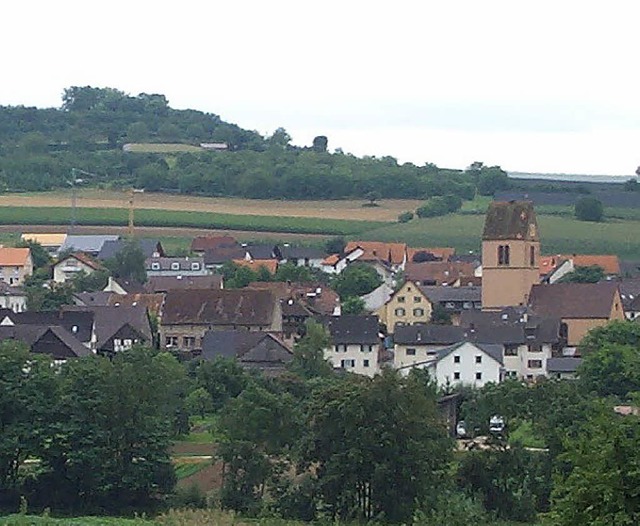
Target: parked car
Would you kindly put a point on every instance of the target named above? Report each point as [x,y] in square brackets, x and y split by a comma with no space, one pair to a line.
[496,425]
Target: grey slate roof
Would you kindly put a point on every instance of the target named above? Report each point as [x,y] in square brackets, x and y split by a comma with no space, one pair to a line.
[353,329]
[565,364]
[421,334]
[185,264]
[90,244]
[256,349]
[166,283]
[46,339]
[77,323]
[289,252]
[222,255]
[574,300]
[495,351]
[439,294]
[111,247]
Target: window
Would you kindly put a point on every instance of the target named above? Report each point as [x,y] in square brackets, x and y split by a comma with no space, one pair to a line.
[171,341]
[347,364]
[341,348]
[195,266]
[155,266]
[411,352]
[479,358]
[417,299]
[503,254]
[456,376]
[401,299]
[456,358]
[478,376]
[400,312]
[366,363]
[534,364]
[175,266]
[511,350]
[189,341]
[366,348]
[535,348]
[418,312]
[532,256]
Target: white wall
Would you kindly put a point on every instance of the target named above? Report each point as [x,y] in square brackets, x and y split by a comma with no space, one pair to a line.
[339,354]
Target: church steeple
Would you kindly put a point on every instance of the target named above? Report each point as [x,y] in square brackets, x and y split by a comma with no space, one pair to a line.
[510,254]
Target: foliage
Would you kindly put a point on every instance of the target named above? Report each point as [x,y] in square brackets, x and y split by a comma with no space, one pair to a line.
[293,273]
[405,217]
[613,333]
[129,263]
[599,484]
[39,256]
[611,370]
[632,185]
[199,402]
[378,446]
[452,508]
[440,315]
[590,274]
[439,206]
[43,295]
[491,180]
[589,209]
[93,282]
[512,482]
[308,354]
[372,196]
[356,280]
[352,305]
[222,378]
[335,245]
[320,143]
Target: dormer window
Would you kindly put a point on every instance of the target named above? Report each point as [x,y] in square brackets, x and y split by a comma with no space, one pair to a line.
[195,266]
[155,266]
[175,266]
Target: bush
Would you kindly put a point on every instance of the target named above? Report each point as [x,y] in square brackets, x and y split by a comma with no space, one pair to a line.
[440,206]
[589,209]
[405,217]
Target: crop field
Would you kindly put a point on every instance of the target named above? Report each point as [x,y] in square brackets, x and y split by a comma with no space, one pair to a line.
[388,210]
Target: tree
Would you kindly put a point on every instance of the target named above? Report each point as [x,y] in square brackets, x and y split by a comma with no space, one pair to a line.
[372,197]
[491,180]
[45,296]
[611,370]
[632,185]
[599,484]
[137,132]
[199,402]
[440,315]
[335,245]
[40,257]
[405,217]
[129,263]
[222,378]
[590,274]
[589,209]
[308,354]
[352,305]
[377,445]
[356,280]
[320,144]
[280,138]
[93,282]
[613,333]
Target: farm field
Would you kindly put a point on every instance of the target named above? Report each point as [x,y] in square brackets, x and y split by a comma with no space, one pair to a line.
[389,209]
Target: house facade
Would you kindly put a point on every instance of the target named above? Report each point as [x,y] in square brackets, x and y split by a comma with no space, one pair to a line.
[72,266]
[355,344]
[407,306]
[15,265]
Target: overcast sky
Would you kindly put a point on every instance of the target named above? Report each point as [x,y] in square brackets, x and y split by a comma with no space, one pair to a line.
[547,86]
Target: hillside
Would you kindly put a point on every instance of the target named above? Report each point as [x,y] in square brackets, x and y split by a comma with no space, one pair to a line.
[141,141]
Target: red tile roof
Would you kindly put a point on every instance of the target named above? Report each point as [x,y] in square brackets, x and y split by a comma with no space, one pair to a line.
[393,253]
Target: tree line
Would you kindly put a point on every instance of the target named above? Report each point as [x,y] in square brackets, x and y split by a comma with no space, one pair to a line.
[39,148]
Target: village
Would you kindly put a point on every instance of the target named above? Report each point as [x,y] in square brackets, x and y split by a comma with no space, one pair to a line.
[471,319]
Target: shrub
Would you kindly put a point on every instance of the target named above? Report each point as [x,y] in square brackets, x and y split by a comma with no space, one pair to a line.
[405,217]
[589,209]
[440,206]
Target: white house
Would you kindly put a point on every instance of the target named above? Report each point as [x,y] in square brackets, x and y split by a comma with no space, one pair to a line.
[335,264]
[13,298]
[463,363]
[355,344]
[72,265]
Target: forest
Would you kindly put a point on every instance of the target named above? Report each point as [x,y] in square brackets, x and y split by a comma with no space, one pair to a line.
[93,436]
[40,147]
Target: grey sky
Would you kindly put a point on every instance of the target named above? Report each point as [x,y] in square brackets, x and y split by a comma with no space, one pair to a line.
[532,86]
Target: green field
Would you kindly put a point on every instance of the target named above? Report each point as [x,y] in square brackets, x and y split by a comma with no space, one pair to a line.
[11,215]
[166,147]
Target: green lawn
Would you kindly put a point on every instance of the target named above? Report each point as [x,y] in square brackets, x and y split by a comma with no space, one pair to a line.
[34,520]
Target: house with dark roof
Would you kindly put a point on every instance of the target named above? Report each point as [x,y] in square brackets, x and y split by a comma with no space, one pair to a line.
[420,342]
[89,244]
[464,363]
[260,351]
[80,324]
[53,340]
[202,244]
[406,306]
[150,248]
[74,265]
[582,306]
[454,300]
[630,296]
[446,273]
[355,343]
[564,367]
[176,266]
[163,284]
[215,258]
[302,256]
[188,314]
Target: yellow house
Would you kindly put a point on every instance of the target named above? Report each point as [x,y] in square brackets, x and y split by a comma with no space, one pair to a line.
[408,305]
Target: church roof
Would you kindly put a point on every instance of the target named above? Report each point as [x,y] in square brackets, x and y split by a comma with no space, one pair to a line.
[511,220]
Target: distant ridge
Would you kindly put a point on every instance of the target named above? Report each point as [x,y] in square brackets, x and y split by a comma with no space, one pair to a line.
[578,178]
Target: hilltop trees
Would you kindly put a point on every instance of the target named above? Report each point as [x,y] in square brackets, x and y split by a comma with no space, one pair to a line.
[589,209]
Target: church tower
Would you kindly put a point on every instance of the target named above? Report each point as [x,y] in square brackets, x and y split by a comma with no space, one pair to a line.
[510,254]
